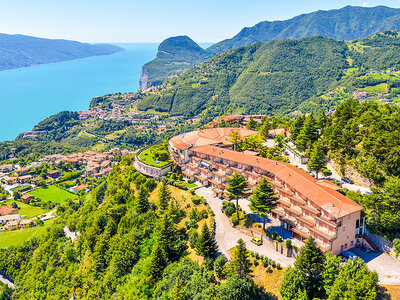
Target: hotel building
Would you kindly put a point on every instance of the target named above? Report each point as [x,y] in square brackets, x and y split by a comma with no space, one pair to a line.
[307,206]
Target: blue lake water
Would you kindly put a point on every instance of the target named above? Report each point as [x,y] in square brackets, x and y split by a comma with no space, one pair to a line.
[28,95]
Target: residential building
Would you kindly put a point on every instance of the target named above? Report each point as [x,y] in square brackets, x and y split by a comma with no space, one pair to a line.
[6,168]
[26,198]
[8,210]
[26,223]
[9,218]
[78,188]
[307,206]
[24,178]
[54,174]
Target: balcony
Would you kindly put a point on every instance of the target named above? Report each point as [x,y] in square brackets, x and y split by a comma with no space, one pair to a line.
[298,200]
[279,212]
[284,201]
[308,221]
[293,210]
[326,221]
[285,191]
[324,233]
[310,209]
[301,232]
[200,177]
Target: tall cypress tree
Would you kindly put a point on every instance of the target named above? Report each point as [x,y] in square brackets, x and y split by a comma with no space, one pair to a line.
[236,189]
[142,201]
[206,244]
[310,263]
[308,134]
[164,196]
[157,263]
[240,262]
[316,162]
[263,200]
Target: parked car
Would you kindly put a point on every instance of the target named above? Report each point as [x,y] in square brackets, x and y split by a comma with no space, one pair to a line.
[256,241]
[348,255]
[347,180]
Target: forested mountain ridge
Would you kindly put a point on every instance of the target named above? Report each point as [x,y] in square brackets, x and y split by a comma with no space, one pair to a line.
[283,76]
[347,23]
[18,51]
[175,55]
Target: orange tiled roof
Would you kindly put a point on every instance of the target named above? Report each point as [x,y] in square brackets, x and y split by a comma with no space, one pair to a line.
[6,210]
[207,137]
[328,199]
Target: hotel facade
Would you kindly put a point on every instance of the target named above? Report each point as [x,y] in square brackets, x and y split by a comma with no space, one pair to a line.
[306,206]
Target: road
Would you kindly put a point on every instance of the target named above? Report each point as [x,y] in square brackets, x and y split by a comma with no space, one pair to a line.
[6,281]
[227,236]
[49,215]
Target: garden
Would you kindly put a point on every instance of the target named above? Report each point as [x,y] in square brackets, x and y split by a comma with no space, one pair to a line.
[156,156]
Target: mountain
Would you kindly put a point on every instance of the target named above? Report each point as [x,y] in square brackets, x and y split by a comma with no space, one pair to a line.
[18,51]
[284,76]
[347,23]
[175,55]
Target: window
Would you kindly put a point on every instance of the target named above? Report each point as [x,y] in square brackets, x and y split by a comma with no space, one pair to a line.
[345,246]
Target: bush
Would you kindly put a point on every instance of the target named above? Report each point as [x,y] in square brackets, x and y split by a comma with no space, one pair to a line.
[279,239]
[288,243]
[269,269]
[193,236]
[278,266]
[274,235]
[255,263]
[265,262]
[196,200]
[257,255]
[235,220]
[326,172]
[219,266]
[191,224]
[209,263]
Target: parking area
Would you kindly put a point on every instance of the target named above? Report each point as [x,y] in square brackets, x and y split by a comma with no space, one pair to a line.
[387,267]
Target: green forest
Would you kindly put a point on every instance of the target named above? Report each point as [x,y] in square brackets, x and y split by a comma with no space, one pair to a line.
[283,76]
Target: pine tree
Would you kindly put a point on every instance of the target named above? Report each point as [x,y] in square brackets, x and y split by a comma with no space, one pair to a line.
[296,127]
[331,271]
[142,201]
[164,196]
[157,263]
[252,124]
[168,238]
[206,244]
[316,161]
[310,264]
[266,126]
[308,134]
[236,189]
[263,200]
[240,262]
[177,291]
[235,139]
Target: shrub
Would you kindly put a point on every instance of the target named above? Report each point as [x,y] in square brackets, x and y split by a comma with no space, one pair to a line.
[196,200]
[209,263]
[235,220]
[278,266]
[257,256]
[255,263]
[203,214]
[279,239]
[219,266]
[288,243]
[265,262]
[274,235]
[269,269]
[326,172]
[193,236]
[191,224]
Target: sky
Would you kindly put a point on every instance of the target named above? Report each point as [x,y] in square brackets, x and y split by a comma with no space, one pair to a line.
[129,21]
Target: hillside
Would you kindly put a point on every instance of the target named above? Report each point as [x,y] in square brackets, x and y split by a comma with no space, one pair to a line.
[284,76]
[18,51]
[347,23]
[175,55]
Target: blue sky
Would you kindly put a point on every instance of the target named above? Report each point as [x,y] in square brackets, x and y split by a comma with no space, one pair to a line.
[152,20]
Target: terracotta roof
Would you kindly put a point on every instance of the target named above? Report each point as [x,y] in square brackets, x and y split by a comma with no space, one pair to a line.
[329,184]
[330,200]
[203,137]
[6,210]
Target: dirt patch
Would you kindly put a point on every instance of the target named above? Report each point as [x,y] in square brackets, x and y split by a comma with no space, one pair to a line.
[353,174]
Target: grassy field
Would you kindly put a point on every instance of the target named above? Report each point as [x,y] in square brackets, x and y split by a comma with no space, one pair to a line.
[148,157]
[53,194]
[17,237]
[376,89]
[26,209]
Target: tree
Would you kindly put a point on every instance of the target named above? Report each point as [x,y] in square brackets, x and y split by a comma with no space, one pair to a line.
[219,266]
[177,291]
[292,285]
[206,244]
[237,288]
[296,127]
[236,189]
[396,245]
[331,270]
[310,263]
[240,262]
[252,124]
[355,281]
[263,200]
[164,196]
[266,126]
[235,139]
[142,202]
[316,161]
[157,263]
[17,196]
[308,134]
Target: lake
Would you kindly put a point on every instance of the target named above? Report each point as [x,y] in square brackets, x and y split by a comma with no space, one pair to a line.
[28,95]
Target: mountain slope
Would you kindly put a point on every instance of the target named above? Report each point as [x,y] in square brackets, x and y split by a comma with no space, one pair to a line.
[175,55]
[283,76]
[18,51]
[347,23]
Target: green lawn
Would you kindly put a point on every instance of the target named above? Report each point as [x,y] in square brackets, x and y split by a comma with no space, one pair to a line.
[53,194]
[26,209]
[17,237]
[147,157]
[190,185]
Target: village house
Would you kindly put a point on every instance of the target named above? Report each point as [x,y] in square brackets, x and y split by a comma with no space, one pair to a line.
[23,170]
[11,180]
[13,225]
[6,168]
[35,180]
[8,210]
[26,223]
[307,207]
[78,188]
[26,198]
[54,174]
[24,178]
[9,218]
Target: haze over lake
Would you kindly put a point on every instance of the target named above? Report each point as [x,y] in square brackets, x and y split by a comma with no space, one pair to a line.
[28,95]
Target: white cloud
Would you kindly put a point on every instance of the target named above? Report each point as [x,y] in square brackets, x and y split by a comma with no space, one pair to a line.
[365,4]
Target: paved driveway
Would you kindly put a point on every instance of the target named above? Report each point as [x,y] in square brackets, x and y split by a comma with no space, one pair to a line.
[387,267]
[227,236]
